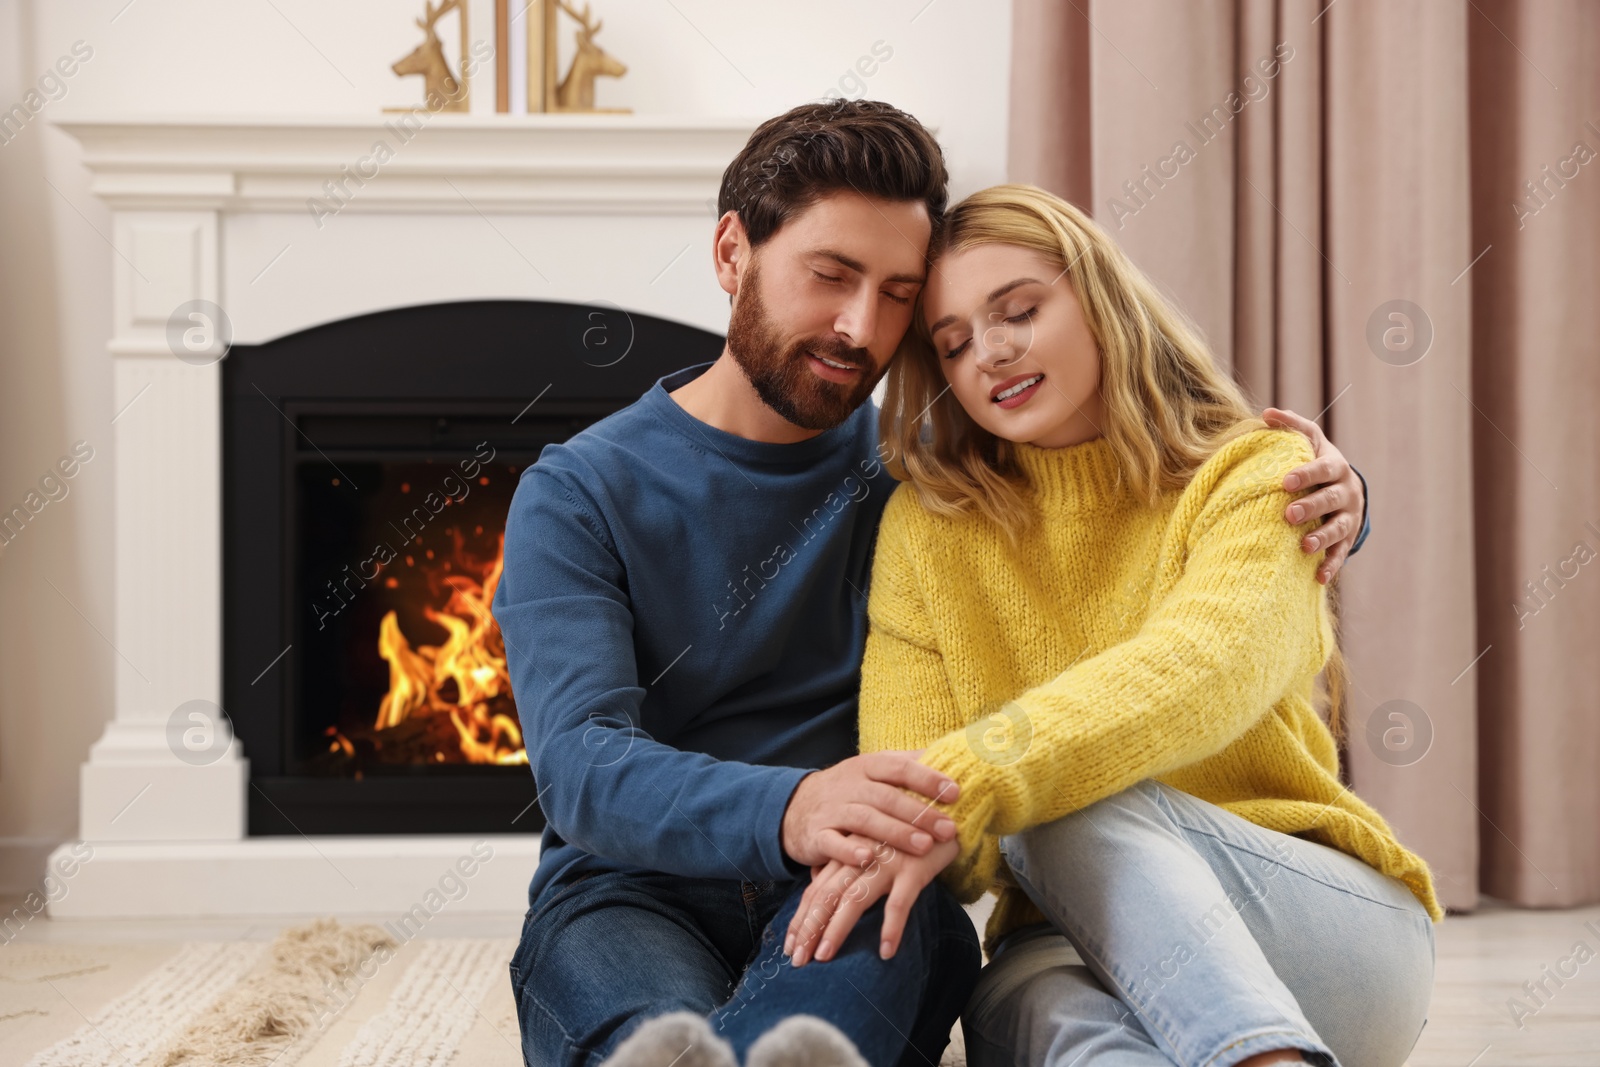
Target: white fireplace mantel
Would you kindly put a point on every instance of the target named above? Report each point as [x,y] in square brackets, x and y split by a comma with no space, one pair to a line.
[560,207]
[504,163]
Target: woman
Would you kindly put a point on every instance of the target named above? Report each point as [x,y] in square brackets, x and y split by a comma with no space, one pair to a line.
[1086,610]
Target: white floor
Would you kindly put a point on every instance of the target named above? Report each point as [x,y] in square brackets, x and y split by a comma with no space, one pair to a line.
[1484,959]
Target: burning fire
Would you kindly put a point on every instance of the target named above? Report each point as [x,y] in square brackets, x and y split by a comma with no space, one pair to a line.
[458,678]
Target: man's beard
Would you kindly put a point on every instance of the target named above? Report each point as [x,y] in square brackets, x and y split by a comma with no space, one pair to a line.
[781,377]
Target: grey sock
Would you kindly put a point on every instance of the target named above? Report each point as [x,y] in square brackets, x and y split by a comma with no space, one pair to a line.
[804,1041]
[677,1039]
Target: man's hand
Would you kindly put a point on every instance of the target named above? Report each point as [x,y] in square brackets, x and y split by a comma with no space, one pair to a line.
[839,894]
[843,812]
[1339,500]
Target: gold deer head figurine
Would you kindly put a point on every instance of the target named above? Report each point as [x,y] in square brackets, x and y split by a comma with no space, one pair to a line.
[442,90]
[576,91]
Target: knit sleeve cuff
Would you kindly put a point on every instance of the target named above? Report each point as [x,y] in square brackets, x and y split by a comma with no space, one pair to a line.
[971,874]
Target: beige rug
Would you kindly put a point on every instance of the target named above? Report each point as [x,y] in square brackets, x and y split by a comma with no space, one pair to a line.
[321,995]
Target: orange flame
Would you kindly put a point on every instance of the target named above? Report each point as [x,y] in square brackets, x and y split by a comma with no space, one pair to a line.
[472,657]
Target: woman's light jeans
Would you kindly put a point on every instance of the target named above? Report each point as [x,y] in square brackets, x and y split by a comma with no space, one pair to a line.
[1181,933]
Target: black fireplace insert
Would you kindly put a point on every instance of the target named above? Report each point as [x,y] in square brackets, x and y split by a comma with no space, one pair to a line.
[368,465]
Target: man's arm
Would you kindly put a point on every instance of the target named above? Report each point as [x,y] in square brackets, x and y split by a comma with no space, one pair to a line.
[1341,495]
[605,784]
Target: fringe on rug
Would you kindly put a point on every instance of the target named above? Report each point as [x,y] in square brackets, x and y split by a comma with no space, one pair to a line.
[275,1014]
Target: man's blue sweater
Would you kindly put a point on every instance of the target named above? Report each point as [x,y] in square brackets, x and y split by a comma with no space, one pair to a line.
[684,613]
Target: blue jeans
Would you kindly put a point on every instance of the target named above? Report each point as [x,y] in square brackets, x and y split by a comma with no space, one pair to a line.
[603,953]
[1181,933]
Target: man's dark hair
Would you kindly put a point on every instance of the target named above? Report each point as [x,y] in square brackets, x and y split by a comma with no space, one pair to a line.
[792,161]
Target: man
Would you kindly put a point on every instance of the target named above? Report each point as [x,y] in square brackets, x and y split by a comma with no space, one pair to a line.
[684,607]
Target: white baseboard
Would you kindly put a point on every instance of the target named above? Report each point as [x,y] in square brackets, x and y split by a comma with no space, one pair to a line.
[377,875]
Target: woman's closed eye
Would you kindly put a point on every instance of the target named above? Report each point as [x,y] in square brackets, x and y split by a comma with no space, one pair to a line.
[1014,320]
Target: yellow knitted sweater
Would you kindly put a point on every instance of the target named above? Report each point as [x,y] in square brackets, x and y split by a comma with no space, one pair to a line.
[1122,641]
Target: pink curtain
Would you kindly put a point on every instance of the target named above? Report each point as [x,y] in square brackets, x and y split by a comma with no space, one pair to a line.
[1387,215]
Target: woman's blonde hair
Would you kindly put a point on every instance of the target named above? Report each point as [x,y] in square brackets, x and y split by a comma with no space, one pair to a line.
[1167,406]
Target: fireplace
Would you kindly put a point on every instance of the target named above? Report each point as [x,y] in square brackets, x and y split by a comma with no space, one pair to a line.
[368,465]
[566,208]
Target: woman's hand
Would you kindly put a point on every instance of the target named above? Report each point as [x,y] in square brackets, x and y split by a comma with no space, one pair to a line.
[840,894]
[1340,500]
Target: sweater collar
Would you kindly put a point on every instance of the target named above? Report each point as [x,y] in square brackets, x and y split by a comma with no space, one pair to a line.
[742,449]
[1085,474]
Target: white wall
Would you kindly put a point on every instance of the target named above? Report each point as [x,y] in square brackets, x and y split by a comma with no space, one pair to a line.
[949,67]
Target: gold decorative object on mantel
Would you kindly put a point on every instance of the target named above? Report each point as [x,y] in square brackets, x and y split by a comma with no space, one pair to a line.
[531,52]
[575,92]
[428,60]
